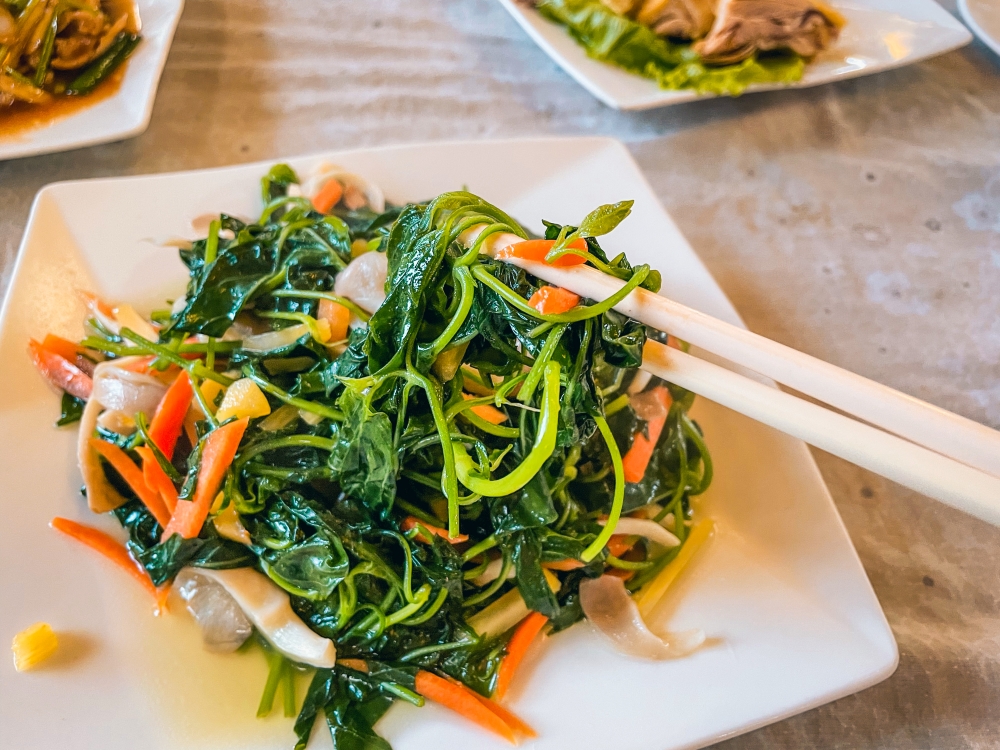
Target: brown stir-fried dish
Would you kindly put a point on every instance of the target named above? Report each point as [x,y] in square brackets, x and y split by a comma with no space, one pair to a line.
[51,48]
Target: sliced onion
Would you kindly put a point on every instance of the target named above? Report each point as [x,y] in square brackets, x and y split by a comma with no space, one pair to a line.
[492,572]
[101,495]
[647,406]
[311,418]
[325,171]
[127,317]
[363,281]
[116,421]
[279,418]
[123,390]
[224,626]
[647,528]
[273,340]
[269,609]
[613,612]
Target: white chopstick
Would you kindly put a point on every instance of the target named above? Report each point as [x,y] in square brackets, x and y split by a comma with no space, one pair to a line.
[911,465]
[950,458]
[942,431]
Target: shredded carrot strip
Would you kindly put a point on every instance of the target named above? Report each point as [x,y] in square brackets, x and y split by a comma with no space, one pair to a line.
[463,701]
[168,421]
[538,249]
[338,316]
[328,196]
[517,648]
[220,450]
[410,523]
[107,546]
[552,300]
[491,414]
[636,461]
[156,478]
[133,476]
[618,545]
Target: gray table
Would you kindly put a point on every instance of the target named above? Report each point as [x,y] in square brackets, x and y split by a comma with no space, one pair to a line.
[859,222]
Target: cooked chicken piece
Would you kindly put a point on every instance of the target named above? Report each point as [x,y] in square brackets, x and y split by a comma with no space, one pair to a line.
[743,27]
[686,19]
[13,89]
[79,39]
[8,26]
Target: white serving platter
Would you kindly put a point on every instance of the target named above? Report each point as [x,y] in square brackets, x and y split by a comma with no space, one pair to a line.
[121,116]
[879,35]
[983,17]
[780,591]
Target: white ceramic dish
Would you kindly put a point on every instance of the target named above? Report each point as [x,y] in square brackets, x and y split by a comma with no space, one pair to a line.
[120,116]
[880,35]
[983,17]
[780,591]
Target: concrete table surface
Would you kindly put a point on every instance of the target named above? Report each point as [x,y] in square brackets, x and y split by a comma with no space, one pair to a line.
[859,222]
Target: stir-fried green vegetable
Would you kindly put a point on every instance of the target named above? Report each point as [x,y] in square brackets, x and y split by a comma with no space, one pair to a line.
[378,493]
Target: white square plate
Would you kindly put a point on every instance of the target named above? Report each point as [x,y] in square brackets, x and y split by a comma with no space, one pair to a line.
[880,35]
[120,116]
[780,591]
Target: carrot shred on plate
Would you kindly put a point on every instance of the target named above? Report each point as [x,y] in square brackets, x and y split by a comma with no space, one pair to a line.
[107,546]
[491,414]
[637,459]
[410,523]
[156,478]
[464,702]
[133,477]
[338,316]
[552,300]
[220,450]
[517,648]
[328,196]
[538,249]
[617,545]
[168,420]
[60,372]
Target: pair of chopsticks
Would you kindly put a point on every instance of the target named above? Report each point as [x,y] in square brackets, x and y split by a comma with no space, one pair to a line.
[933,451]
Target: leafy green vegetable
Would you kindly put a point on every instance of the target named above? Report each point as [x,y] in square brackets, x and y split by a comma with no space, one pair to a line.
[611,38]
[373,493]
[71,410]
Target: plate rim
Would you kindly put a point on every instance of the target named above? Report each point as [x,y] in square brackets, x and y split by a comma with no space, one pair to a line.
[976,28]
[21,149]
[883,664]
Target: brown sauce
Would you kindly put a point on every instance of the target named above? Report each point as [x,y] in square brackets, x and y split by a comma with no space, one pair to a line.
[21,117]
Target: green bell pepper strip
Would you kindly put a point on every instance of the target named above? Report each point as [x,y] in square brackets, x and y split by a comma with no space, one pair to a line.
[545,443]
[104,65]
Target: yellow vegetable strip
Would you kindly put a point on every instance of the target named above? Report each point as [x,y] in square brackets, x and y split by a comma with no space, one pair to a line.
[651,594]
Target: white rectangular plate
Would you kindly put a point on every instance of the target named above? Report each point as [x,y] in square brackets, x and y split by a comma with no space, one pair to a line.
[120,116]
[880,35]
[780,592]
